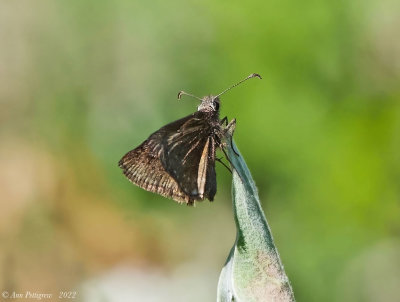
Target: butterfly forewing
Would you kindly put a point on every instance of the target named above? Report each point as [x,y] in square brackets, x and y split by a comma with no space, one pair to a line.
[190,157]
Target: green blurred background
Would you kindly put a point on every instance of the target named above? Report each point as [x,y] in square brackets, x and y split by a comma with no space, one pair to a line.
[83,82]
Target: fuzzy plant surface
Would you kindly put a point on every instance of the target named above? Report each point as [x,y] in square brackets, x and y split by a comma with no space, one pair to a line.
[253,271]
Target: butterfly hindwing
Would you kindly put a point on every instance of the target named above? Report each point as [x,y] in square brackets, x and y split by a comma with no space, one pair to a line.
[142,166]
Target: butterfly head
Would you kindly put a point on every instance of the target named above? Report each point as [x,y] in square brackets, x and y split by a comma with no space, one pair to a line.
[209,104]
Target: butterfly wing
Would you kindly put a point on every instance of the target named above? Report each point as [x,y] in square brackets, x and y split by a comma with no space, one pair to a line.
[177,161]
[189,156]
[142,166]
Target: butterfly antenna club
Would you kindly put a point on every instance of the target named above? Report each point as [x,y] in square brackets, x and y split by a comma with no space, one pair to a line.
[253,75]
[188,94]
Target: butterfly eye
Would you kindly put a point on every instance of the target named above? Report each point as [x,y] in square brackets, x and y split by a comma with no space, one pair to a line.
[216,106]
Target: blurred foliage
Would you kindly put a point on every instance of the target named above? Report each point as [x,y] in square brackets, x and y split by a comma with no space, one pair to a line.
[83,82]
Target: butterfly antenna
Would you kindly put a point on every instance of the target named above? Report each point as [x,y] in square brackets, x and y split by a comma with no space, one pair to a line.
[253,75]
[188,94]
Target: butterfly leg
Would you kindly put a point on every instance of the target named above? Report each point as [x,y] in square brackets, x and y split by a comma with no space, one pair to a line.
[230,128]
[227,157]
[224,121]
[220,161]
